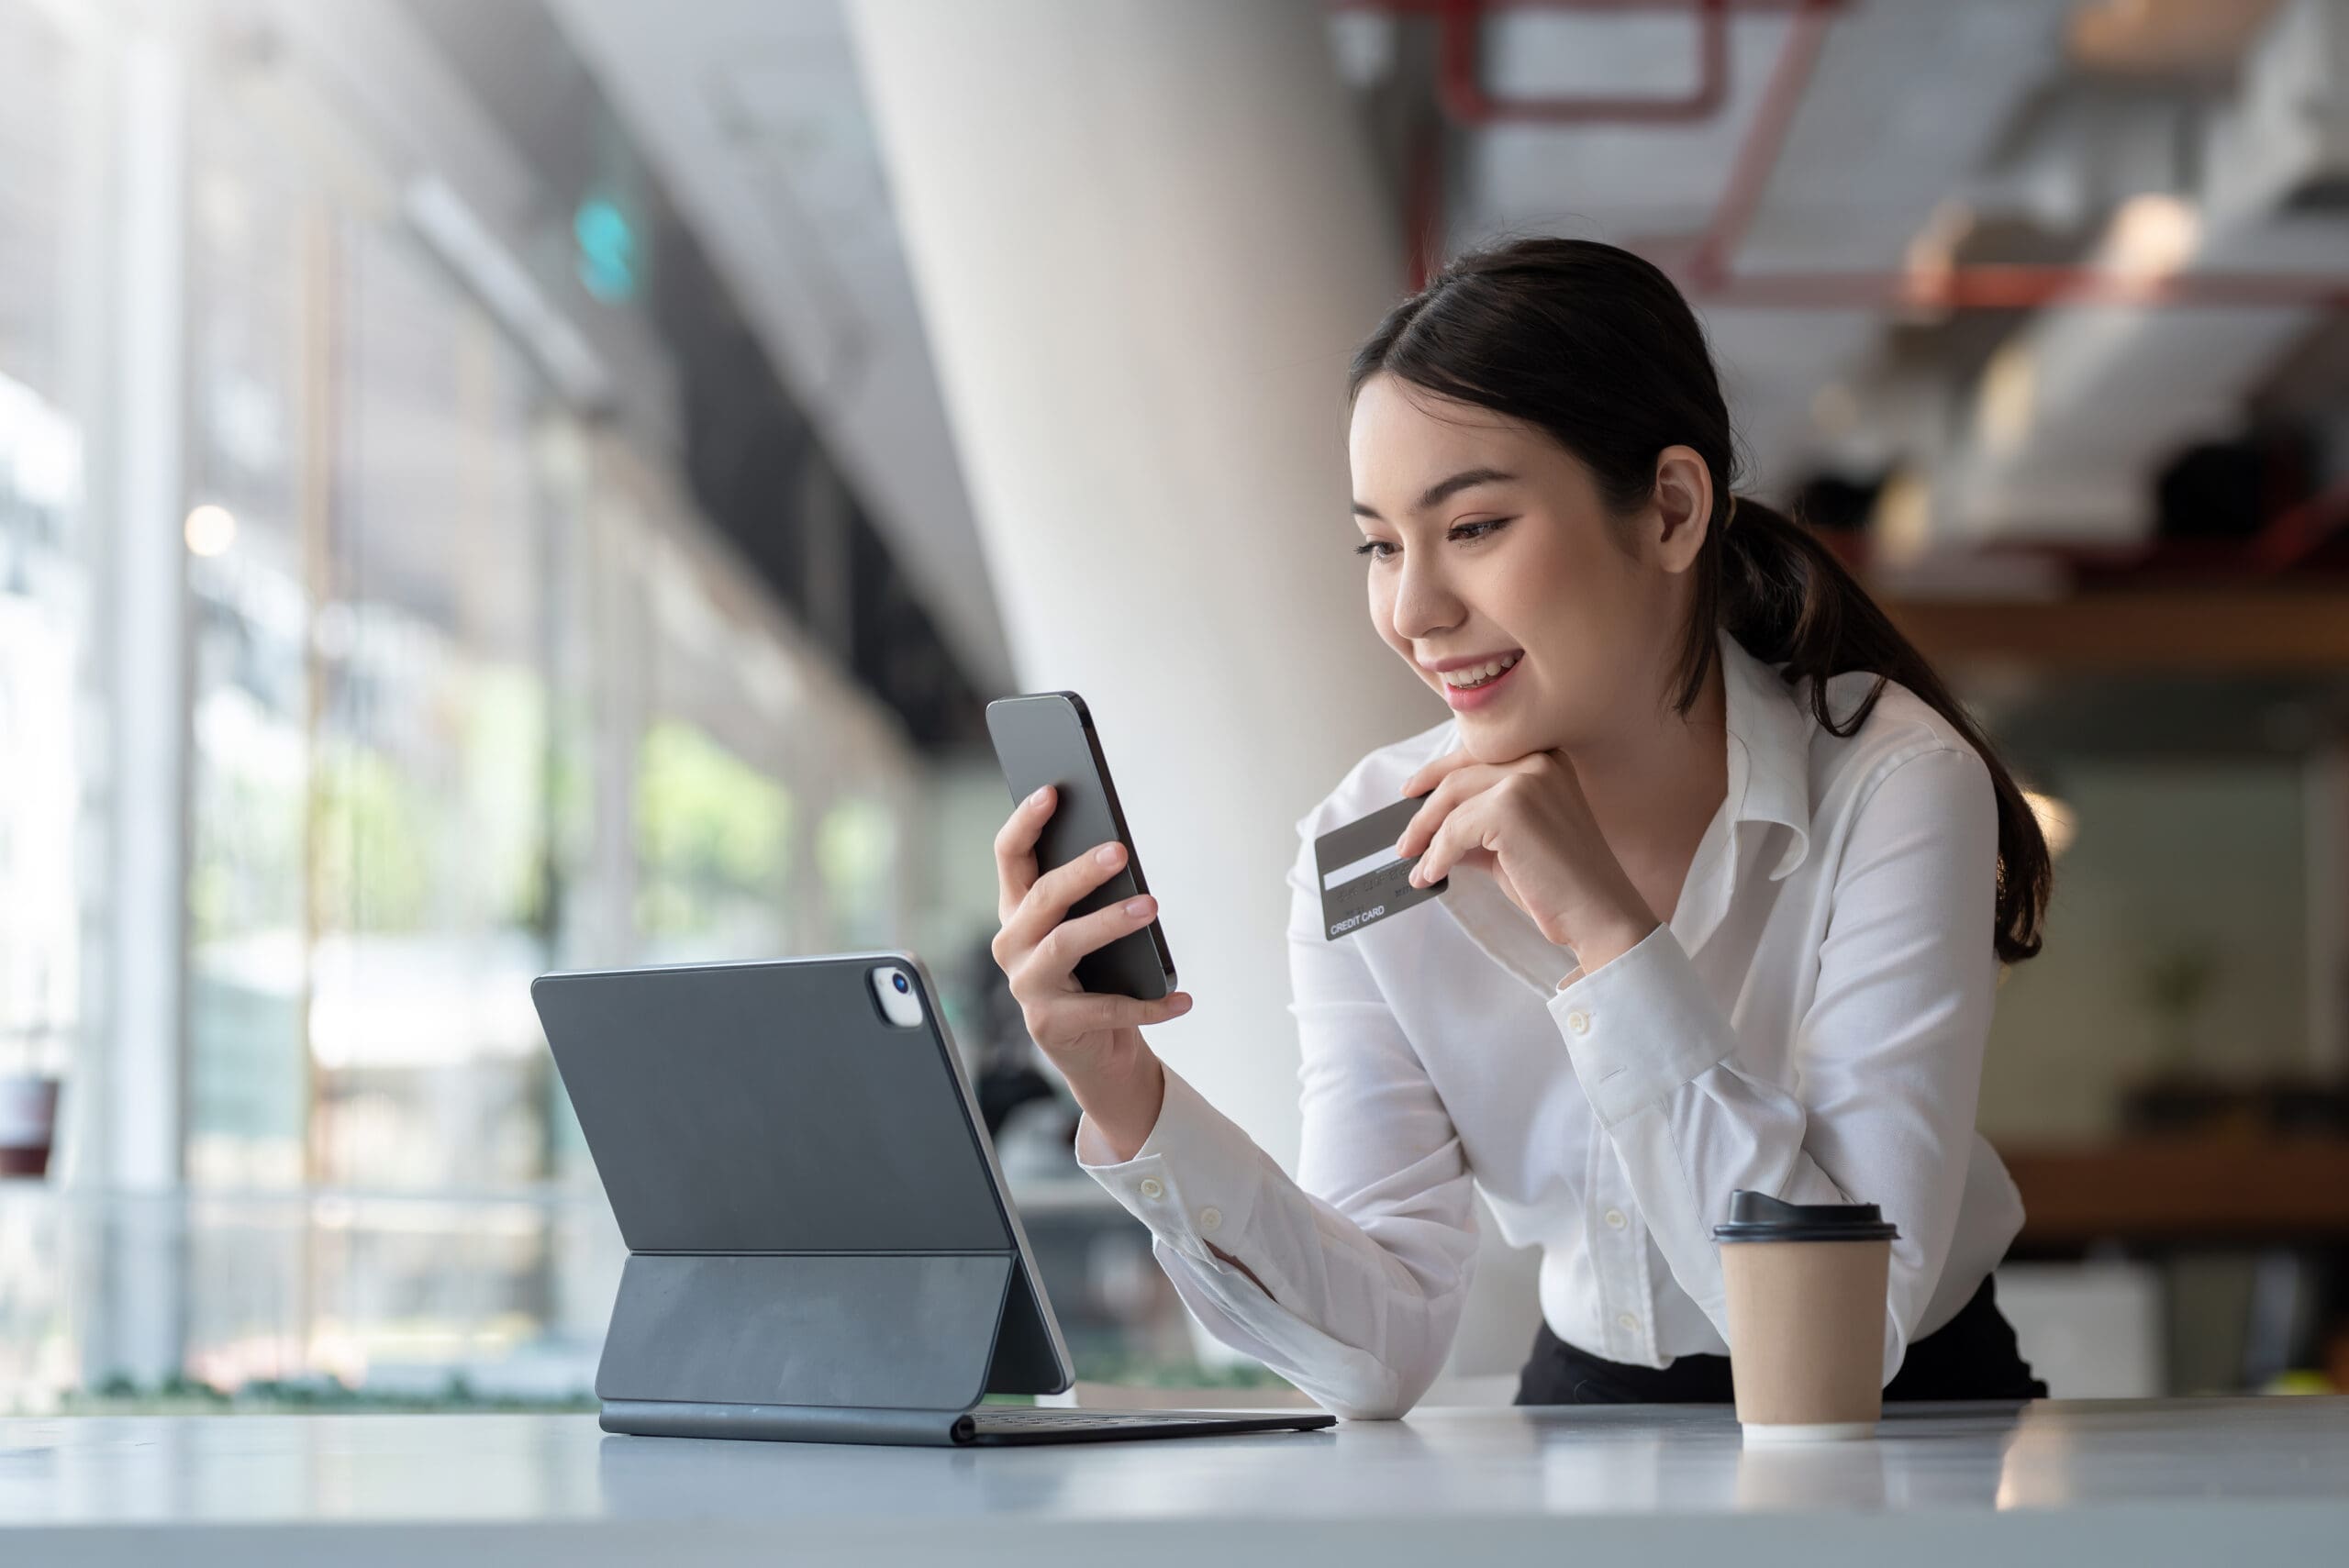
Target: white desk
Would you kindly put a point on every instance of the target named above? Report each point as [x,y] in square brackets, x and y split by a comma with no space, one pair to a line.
[2233,1481]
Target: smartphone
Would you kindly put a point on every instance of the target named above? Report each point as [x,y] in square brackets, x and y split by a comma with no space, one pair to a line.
[1048,739]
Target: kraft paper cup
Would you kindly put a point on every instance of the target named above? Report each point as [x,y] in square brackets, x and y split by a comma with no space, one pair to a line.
[1806,1286]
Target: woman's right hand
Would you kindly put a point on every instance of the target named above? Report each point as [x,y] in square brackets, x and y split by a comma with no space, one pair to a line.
[1092,1039]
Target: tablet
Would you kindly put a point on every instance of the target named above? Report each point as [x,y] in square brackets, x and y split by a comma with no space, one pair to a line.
[820,1243]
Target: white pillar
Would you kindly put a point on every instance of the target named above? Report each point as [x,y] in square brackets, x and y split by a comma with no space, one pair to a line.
[1146,236]
[134,1069]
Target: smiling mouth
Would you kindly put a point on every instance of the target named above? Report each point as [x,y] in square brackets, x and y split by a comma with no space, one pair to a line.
[1476,675]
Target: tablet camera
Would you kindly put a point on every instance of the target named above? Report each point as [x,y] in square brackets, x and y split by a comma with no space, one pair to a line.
[899,1002]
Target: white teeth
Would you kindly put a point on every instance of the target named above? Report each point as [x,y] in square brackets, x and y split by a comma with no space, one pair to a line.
[1476,675]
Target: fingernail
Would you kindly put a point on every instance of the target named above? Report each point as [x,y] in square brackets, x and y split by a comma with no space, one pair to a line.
[1038,798]
[1106,854]
[1179,1005]
[1400,852]
[1137,908]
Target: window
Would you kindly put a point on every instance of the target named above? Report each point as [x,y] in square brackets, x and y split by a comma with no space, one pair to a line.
[470,696]
[41,575]
[43,635]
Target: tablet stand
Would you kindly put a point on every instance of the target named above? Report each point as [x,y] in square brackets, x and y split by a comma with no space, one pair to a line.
[829,1346]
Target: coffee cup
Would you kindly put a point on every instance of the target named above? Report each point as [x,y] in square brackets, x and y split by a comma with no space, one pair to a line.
[1806,1286]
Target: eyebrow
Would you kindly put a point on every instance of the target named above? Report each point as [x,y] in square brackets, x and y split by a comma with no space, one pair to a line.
[1444,489]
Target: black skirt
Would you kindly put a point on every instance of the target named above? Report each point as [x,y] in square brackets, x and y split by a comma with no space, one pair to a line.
[1972,1356]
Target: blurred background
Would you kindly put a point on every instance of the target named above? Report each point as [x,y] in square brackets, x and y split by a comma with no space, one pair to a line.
[488,488]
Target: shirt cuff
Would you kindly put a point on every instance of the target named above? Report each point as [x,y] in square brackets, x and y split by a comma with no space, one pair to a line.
[1193,1180]
[1640,1027]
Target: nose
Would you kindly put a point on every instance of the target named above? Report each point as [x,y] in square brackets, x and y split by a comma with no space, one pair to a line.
[1424,603]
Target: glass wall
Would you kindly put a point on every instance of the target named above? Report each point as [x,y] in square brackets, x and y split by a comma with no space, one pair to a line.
[257,253]
[470,694]
[42,586]
[44,627]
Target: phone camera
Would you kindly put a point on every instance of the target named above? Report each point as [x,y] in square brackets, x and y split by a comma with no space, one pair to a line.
[901,983]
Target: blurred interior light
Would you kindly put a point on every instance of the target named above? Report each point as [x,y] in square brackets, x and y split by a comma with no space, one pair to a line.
[1833,410]
[2152,236]
[2057,820]
[1932,256]
[2010,388]
[2191,38]
[210,530]
[1934,249]
[1902,525]
[2121,13]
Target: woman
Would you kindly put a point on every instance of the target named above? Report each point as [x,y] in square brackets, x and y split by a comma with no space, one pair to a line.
[1732,874]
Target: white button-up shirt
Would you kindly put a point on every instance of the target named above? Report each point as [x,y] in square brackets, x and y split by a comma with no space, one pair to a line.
[1810,1024]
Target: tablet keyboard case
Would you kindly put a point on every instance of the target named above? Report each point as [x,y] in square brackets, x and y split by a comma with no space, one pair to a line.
[787,1278]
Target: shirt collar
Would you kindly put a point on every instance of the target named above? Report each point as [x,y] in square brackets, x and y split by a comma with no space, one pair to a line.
[1769,781]
[1769,751]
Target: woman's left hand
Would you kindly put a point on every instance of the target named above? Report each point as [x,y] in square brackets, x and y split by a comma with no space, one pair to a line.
[1527,824]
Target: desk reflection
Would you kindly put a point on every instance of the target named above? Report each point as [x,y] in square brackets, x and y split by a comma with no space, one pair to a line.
[1582,1462]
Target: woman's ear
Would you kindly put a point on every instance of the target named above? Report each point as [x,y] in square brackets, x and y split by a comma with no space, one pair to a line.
[1684,506]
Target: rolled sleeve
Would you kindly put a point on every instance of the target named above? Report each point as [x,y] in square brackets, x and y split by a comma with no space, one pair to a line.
[1195,1180]
[1640,1028]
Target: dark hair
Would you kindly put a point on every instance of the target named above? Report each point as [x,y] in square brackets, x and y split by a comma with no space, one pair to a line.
[1595,346]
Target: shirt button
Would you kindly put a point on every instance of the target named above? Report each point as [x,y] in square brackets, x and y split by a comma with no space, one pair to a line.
[1209,1219]
[1628,1321]
[1578,1021]
[1615,1218]
[1152,1187]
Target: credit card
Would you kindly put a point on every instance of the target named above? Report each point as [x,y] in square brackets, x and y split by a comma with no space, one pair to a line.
[1362,881]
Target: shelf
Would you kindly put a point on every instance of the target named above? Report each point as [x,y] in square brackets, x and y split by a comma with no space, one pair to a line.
[2184,1188]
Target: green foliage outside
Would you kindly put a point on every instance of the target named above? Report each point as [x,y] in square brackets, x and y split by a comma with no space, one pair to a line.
[122,1395]
[712,833]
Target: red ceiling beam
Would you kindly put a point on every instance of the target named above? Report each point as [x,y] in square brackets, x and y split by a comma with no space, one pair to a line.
[2003,286]
[1461,79]
[1709,272]
[1462,60]
[1766,136]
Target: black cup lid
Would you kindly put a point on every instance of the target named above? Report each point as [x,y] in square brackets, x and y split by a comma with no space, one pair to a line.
[1757,1217]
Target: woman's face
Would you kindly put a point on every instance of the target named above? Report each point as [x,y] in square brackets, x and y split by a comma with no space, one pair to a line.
[1488,541]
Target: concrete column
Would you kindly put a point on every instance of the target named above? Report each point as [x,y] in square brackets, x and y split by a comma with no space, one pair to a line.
[1146,237]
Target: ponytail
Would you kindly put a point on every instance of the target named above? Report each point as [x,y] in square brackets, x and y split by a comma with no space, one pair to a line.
[1593,345]
[1790,602]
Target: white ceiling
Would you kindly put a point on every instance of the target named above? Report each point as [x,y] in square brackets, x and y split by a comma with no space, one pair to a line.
[1905,98]
[751,113]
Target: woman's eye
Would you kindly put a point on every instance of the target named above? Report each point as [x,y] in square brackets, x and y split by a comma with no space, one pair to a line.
[1479,529]
[1465,533]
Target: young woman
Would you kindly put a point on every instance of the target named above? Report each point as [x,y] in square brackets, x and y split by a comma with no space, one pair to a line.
[1732,874]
